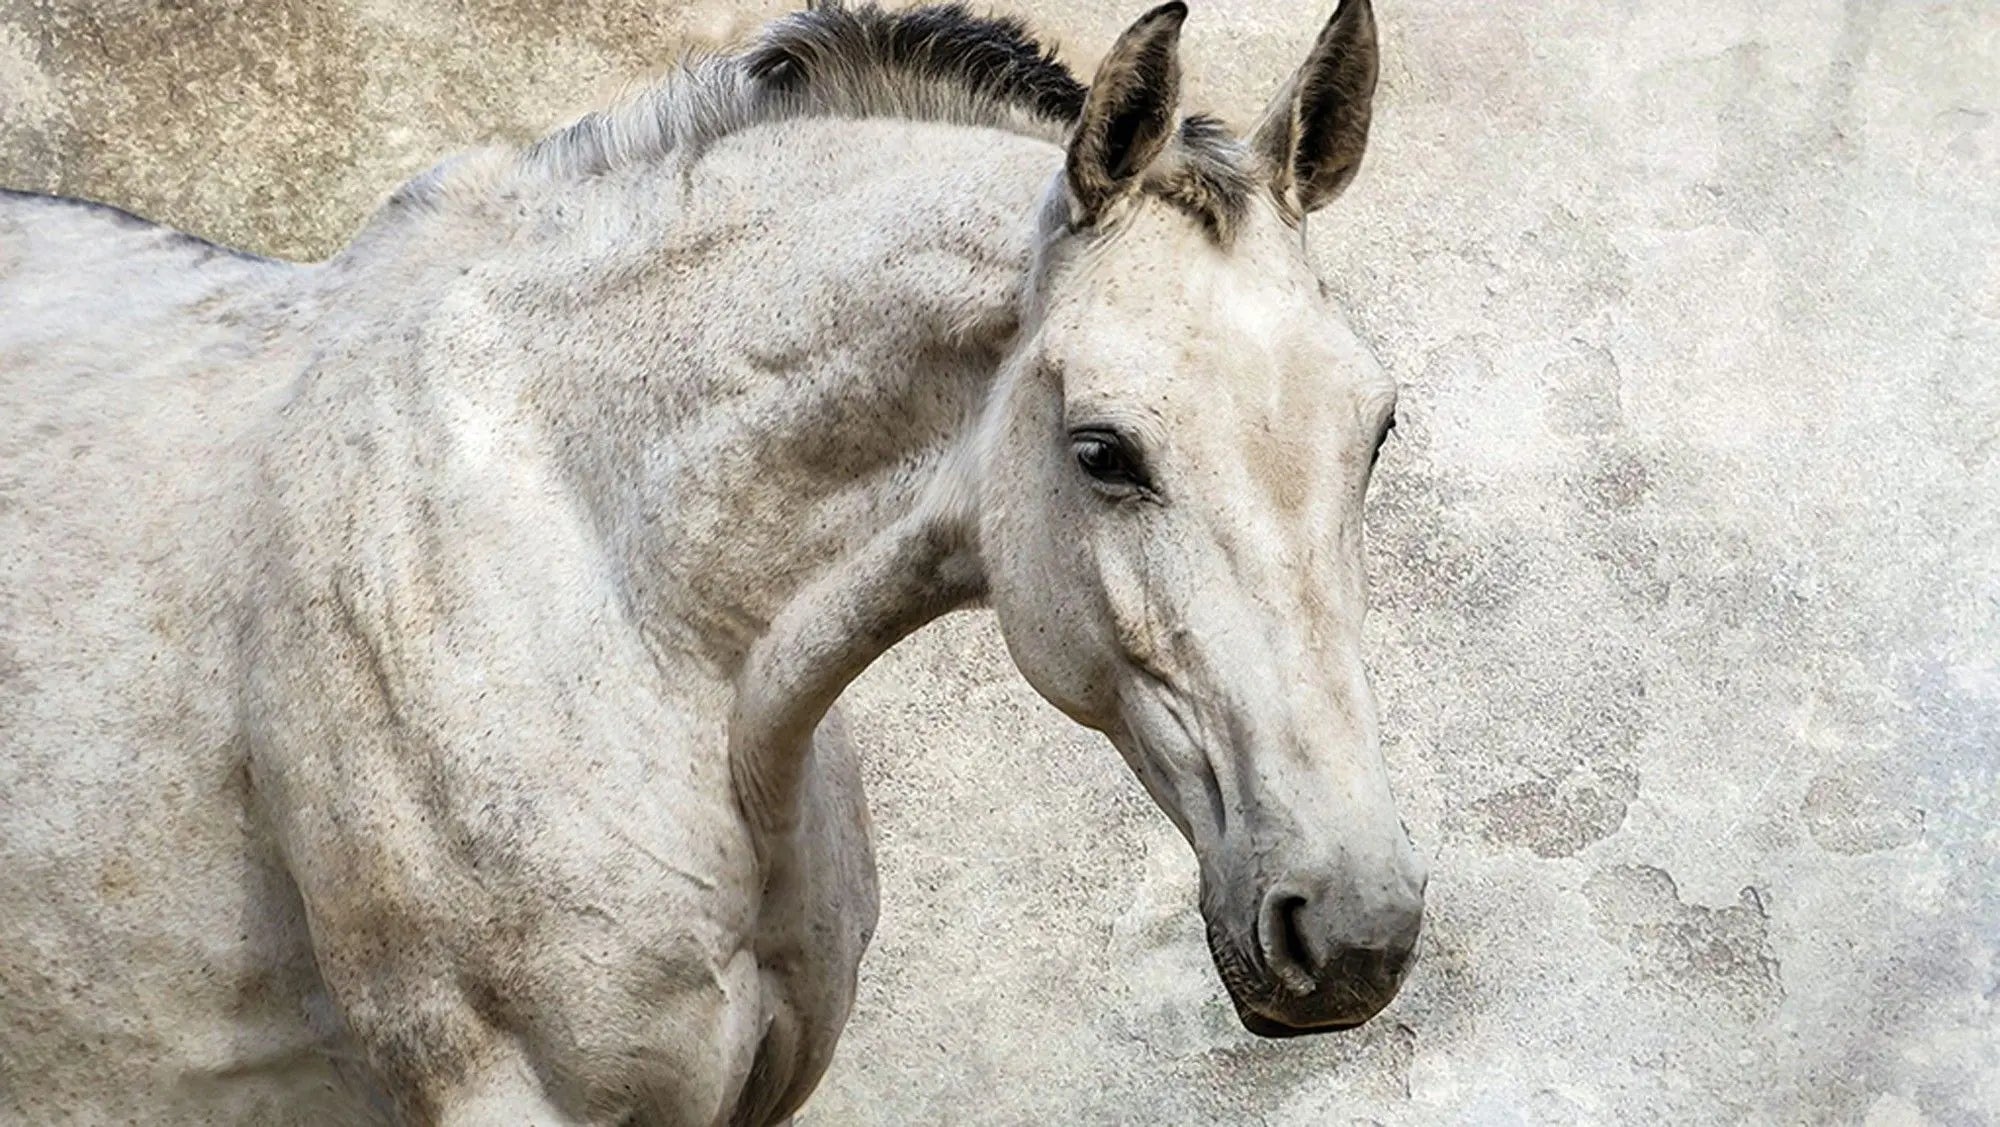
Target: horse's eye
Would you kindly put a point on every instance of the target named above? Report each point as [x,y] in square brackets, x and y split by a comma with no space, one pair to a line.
[1104,457]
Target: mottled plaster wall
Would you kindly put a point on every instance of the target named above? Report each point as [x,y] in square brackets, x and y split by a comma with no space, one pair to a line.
[1686,557]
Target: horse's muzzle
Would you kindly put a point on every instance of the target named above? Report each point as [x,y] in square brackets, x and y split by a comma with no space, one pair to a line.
[1309,967]
[1345,997]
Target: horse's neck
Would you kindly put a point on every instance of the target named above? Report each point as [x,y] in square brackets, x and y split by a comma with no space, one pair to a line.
[743,368]
[836,306]
[783,488]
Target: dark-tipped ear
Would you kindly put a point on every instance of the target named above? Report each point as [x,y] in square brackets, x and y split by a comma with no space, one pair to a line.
[1129,113]
[1313,134]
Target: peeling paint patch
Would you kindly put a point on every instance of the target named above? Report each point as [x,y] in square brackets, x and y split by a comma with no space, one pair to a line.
[1718,957]
[1846,813]
[1615,481]
[1558,817]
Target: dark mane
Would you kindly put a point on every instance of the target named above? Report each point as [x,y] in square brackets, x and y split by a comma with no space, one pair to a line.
[945,50]
[988,57]
[936,63]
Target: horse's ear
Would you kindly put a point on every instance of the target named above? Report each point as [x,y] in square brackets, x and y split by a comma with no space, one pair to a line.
[1314,131]
[1129,114]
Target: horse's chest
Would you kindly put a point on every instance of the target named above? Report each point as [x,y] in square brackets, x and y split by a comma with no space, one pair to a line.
[664,956]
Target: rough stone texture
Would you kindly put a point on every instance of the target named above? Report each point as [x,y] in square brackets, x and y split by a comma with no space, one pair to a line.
[1686,554]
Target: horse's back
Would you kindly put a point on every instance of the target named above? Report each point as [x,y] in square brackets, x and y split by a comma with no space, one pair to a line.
[115,330]
[134,365]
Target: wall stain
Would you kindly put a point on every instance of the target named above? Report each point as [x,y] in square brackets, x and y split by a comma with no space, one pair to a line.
[1559,817]
[1718,958]
[1848,810]
[238,139]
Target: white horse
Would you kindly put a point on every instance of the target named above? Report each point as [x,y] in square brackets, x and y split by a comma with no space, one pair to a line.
[415,667]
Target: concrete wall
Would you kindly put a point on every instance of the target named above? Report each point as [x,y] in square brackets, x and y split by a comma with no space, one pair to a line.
[1686,556]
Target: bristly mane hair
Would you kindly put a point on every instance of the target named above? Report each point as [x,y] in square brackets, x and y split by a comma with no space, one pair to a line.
[936,63]
[982,59]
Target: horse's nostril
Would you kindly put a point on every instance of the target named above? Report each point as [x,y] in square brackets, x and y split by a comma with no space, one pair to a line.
[1311,939]
[1287,950]
[1291,932]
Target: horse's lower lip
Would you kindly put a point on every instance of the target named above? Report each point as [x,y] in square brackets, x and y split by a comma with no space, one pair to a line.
[1270,1027]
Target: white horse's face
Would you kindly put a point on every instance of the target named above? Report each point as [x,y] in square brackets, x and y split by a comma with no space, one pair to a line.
[1172,523]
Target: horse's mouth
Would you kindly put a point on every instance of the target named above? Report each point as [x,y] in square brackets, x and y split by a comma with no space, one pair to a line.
[1277,1030]
[1264,1024]
[1253,993]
